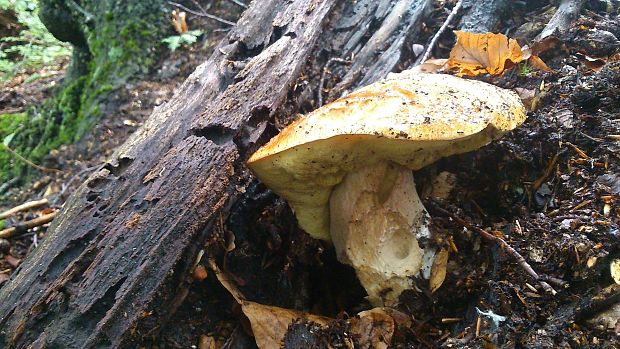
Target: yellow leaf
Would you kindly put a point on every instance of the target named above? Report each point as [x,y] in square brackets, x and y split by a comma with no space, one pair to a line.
[476,54]
[438,270]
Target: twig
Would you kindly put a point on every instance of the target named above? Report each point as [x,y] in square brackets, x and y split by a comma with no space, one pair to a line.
[202,14]
[239,3]
[87,15]
[23,207]
[511,251]
[443,27]
[325,71]
[226,281]
[8,232]
[200,6]
[5,186]
[40,168]
[547,173]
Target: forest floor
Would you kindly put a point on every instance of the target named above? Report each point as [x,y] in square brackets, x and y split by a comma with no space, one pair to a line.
[550,189]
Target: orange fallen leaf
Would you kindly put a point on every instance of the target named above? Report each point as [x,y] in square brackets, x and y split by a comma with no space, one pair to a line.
[200,273]
[476,54]
[538,63]
[178,21]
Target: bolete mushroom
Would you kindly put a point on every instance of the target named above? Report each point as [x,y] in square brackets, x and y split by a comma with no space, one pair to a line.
[345,168]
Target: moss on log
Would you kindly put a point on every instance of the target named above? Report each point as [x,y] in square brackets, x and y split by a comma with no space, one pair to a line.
[114,41]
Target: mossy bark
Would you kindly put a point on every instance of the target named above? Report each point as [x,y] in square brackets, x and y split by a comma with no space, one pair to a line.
[114,41]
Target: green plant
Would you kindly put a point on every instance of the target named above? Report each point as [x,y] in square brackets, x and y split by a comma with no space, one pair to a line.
[34,47]
[187,38]
[524,69]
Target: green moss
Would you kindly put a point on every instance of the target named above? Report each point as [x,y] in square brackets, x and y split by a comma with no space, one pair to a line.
[112,48]
[10,124]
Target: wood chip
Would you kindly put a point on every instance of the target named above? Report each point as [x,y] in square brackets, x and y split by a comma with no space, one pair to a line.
[12,261]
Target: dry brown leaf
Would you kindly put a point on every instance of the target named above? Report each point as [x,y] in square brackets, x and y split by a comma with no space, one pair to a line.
[373,329]
[400,318]
[269,324]
[200,272]
[12,261]
[476,54]
[208,342]
[178,21]
[548,43]
[527,96]
[431,66]
[539,64]
[438,270]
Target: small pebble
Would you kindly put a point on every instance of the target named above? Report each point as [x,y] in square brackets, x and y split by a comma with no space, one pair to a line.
[5,246]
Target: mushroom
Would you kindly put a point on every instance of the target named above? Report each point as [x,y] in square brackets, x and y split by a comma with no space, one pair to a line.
[345,168]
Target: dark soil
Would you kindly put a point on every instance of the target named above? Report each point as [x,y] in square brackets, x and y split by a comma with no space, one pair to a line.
[544,189]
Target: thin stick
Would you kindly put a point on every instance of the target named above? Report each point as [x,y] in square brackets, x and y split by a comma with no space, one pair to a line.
[445,24]
[4,187]
[87,15]
[40,168]
[201,14]
[325,71]
[23,207]
[511,251]
[200,6]
[239,3]
[547,173]
[9,232]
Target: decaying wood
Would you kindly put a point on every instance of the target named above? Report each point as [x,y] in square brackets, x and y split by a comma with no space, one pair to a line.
[121,250]
[567,12]
[482,16]
[382,52]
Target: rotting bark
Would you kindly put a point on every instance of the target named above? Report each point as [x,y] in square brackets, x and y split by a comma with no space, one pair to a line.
[123,244]
[382,52]
[482,16]
[567,12]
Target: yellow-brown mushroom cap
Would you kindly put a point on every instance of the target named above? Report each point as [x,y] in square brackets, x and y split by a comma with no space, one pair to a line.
[410,119]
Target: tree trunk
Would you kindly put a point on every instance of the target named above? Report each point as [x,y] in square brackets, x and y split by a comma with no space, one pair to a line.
[113,42]
[115,263]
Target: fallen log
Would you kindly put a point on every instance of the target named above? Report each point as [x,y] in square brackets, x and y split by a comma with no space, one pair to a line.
[115,262]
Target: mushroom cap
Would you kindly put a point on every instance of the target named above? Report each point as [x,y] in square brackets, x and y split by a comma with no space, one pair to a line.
[409,119]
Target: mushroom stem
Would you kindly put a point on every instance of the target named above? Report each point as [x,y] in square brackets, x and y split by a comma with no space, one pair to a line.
[377,221]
